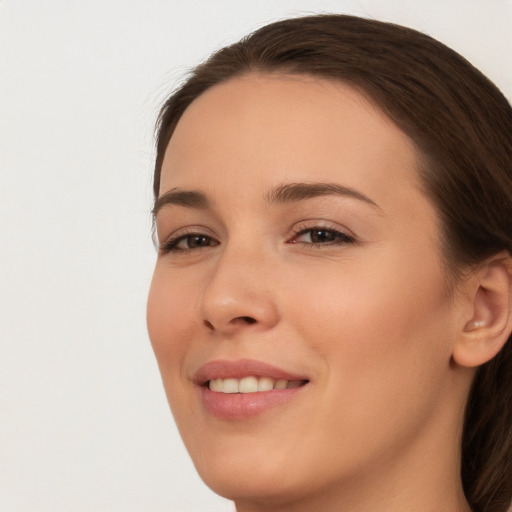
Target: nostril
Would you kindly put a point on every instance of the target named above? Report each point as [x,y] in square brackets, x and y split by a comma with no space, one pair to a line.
[247,319]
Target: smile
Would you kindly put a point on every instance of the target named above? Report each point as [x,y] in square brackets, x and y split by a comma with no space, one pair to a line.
[242,389]
[252,384]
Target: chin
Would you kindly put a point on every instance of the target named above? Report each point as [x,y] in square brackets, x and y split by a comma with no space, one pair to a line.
[270,488]
[246,474]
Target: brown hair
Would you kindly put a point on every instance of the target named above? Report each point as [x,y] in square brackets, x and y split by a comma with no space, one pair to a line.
[461,125]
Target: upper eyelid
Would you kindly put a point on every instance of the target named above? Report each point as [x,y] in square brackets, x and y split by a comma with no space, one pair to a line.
[187,230]
[306,225]
[321,228]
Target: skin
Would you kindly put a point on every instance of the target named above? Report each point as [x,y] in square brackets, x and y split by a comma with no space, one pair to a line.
[371,322]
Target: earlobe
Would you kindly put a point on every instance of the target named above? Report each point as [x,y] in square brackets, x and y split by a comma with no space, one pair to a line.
[488,322]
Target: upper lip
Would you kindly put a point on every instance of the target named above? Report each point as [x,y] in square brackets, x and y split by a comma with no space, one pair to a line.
[225,369]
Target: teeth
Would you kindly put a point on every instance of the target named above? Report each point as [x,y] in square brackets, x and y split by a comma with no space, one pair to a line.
[248,385]
[265,384]
[215,384]
[281,384]
[251,384]
[230,386]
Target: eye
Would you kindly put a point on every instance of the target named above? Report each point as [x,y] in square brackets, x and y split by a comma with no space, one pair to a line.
[188,242]
[322,236]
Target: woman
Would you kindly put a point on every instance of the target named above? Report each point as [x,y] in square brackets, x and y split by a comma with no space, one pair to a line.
[331,304]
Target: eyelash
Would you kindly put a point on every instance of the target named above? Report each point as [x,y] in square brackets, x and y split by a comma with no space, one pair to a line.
[340,238]
[171,245]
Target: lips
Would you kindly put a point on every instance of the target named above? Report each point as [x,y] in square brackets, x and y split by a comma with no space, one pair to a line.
[223,369]
[245,388]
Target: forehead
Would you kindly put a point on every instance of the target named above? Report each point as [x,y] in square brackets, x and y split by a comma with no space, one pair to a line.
[286,127]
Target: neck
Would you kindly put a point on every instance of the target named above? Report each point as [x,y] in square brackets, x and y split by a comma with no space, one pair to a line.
[425,494]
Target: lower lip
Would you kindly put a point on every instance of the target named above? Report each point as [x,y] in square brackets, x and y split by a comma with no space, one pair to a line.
[240,406]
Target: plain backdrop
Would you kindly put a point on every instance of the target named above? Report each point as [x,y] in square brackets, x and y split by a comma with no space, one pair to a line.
[84,422]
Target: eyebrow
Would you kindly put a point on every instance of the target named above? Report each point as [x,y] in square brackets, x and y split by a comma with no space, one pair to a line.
[285,193]
[291,192]
[186,198]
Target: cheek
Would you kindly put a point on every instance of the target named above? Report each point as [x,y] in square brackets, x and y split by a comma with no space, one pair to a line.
[380,337]
[169,308]
[375,325]
[170,326]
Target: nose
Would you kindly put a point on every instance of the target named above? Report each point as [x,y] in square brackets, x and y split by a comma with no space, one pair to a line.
[240,293]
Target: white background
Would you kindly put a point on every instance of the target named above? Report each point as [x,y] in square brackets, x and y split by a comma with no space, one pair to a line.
[84,422]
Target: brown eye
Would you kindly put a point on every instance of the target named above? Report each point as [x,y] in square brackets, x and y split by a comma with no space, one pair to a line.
[319,236]
[322,236]
[193,242]
[188,242]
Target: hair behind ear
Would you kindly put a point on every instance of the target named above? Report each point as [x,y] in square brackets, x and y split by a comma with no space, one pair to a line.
[487,438]
[487,342]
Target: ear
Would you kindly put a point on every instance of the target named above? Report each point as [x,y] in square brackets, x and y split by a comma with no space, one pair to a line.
[487,322]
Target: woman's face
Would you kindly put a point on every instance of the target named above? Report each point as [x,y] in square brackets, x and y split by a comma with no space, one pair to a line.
[299,252]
